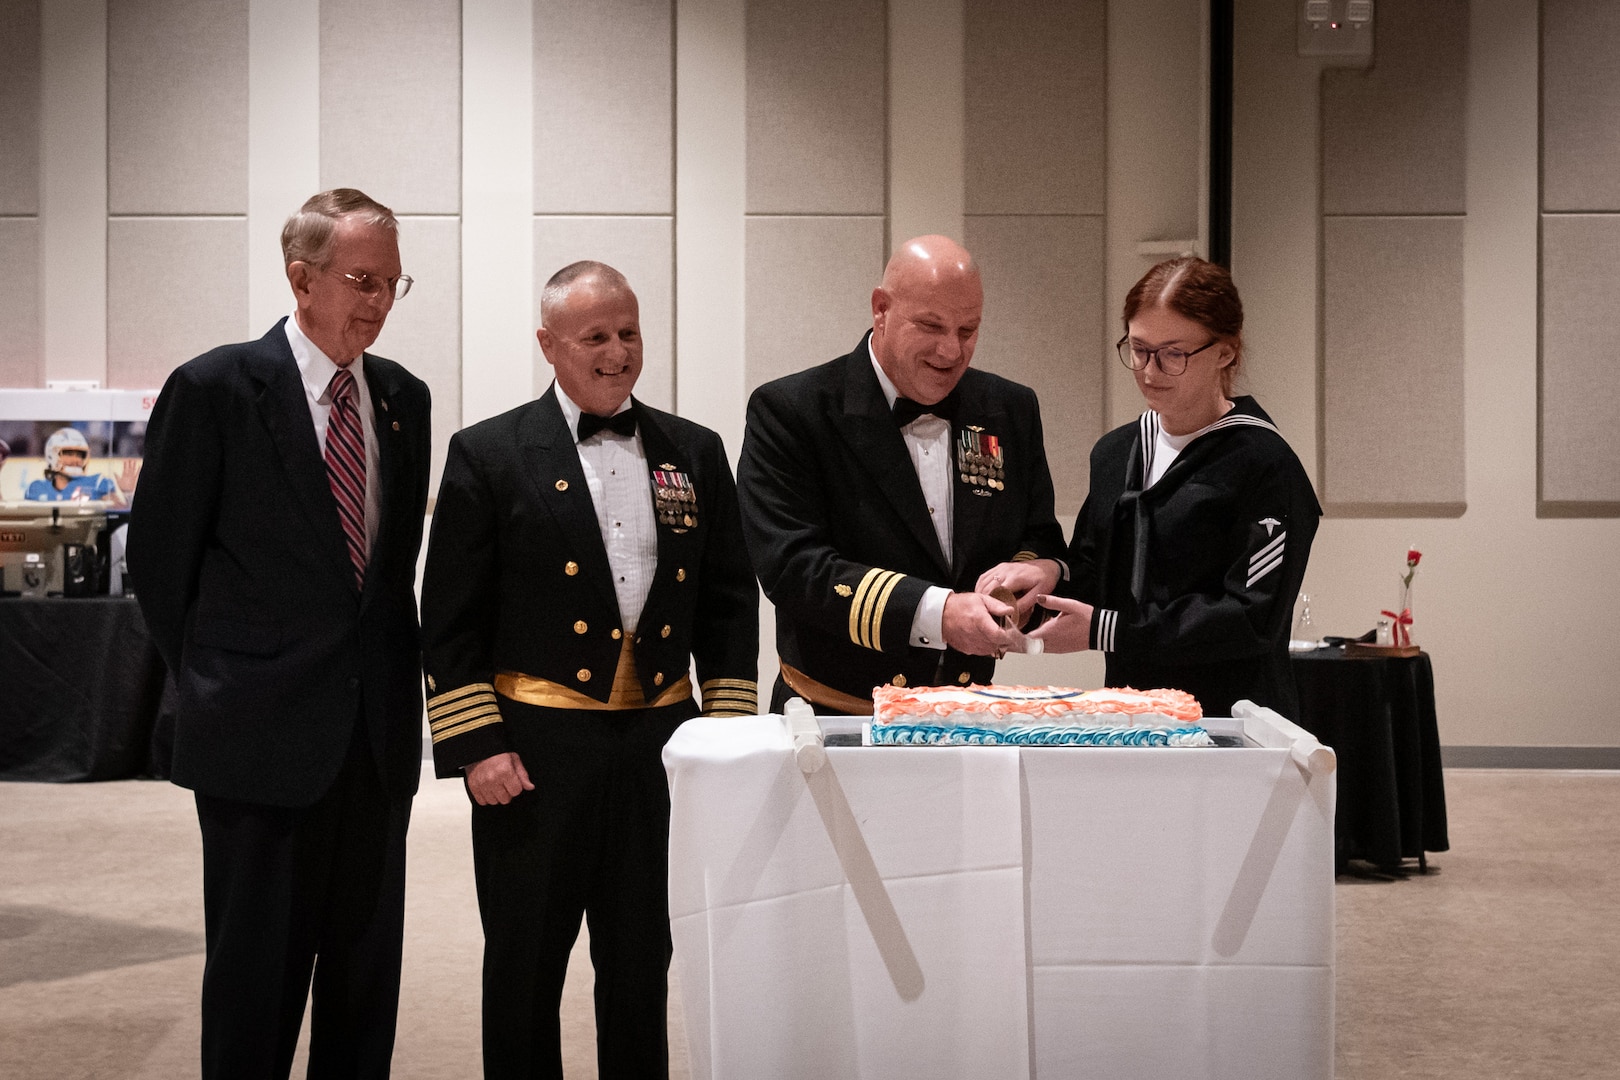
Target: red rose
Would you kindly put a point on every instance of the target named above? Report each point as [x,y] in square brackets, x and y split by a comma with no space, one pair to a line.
[1413,556]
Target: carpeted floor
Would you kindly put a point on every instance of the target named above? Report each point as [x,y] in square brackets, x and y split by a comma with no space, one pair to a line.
[1500,963]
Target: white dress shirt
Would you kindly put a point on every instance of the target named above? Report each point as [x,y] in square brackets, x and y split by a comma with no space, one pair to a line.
[316,369]
[928,441]
[616,472]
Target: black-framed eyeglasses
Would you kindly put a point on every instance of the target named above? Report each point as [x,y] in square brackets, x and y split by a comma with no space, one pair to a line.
[1172,361]
[371,287]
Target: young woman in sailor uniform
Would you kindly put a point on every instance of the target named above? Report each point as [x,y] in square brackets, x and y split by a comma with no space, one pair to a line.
[1191,547]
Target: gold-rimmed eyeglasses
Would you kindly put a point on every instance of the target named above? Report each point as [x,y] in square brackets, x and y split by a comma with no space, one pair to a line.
[1172,361]
[371,286]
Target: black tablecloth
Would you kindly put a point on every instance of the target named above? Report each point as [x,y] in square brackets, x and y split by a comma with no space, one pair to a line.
[1377,713]
[81,688]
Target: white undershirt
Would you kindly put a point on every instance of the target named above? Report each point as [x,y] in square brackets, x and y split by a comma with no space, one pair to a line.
[928,442]
[621,493]
[316,369]
[1167,448]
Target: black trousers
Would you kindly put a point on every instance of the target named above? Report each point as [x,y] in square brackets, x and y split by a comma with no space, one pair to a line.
[591,840]
[288,893]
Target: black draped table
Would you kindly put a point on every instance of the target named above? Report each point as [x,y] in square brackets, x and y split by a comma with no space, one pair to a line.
[1377,713]
[81,688]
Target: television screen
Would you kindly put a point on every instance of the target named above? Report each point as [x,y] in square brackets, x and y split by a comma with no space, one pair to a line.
[72,446]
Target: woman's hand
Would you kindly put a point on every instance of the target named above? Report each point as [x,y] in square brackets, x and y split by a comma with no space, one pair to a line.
[1069,632]
[1025,580]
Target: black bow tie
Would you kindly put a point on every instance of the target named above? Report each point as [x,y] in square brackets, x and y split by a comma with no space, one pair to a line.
[620,423]
[906,410]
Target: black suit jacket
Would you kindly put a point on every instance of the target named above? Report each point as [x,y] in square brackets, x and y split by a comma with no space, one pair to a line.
[517,578]
[839,531]
[240,566]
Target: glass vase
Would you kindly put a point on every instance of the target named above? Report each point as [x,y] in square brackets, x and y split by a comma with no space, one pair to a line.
[1404,620]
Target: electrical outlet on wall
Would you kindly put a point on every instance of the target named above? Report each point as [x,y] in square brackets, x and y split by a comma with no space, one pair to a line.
[1338,28]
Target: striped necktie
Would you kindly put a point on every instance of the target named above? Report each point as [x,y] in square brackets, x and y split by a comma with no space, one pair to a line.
[346,467]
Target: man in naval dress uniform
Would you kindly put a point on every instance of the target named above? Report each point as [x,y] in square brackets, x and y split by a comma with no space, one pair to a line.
[879,488]
[586,549]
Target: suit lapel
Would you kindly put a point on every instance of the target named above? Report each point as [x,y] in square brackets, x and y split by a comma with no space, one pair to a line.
[550,460]
[868,427]
[389,424]
[284,407]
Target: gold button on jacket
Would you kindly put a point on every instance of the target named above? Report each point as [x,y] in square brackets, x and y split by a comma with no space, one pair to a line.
[571,568]
[580,627]
[583,674]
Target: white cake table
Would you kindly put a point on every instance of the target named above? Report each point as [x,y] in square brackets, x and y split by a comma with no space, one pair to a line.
[994,912]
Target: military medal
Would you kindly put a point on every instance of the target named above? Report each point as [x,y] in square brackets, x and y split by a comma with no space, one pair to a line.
[980,461]
[674,498]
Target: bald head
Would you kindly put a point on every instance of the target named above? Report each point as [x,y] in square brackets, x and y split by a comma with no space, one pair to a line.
[929,262]
[587,272]
[925,317]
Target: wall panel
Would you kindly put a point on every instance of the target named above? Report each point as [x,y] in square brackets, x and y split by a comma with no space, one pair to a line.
[1036,74]
[816,93]
[640,248]
[1580,363]
[810,282]
[1393,135]
[603,107]
[20,363]
[177,106]
[1043,303]
[1579,460]
[19,106]
[423,331]
[154,327]
[1392,373]
[1580,98]
[391,101]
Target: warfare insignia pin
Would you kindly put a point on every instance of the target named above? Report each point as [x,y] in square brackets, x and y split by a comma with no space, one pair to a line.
[674,498]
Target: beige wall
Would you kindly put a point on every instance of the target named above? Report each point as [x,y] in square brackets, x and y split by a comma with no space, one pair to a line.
[757,260]
[1521,614]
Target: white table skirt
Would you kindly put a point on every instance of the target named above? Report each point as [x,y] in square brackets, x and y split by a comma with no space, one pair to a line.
[994,912]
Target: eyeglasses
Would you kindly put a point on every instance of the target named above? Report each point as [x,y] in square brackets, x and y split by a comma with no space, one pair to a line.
[371,287]
[1172,361]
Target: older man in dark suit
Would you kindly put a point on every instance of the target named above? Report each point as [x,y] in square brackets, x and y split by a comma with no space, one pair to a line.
[274,549]
[880,490]
[586,550]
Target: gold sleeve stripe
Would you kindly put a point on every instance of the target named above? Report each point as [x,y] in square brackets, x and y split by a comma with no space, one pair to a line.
[870,596]
[876,630]
[439,702]
[462,729]
[733,684]
[459,716]
[730,697]
[449,713]
[746,707]
[1024,556]
[856,603]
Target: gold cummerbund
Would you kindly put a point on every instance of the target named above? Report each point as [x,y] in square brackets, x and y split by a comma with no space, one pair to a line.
[626,693]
